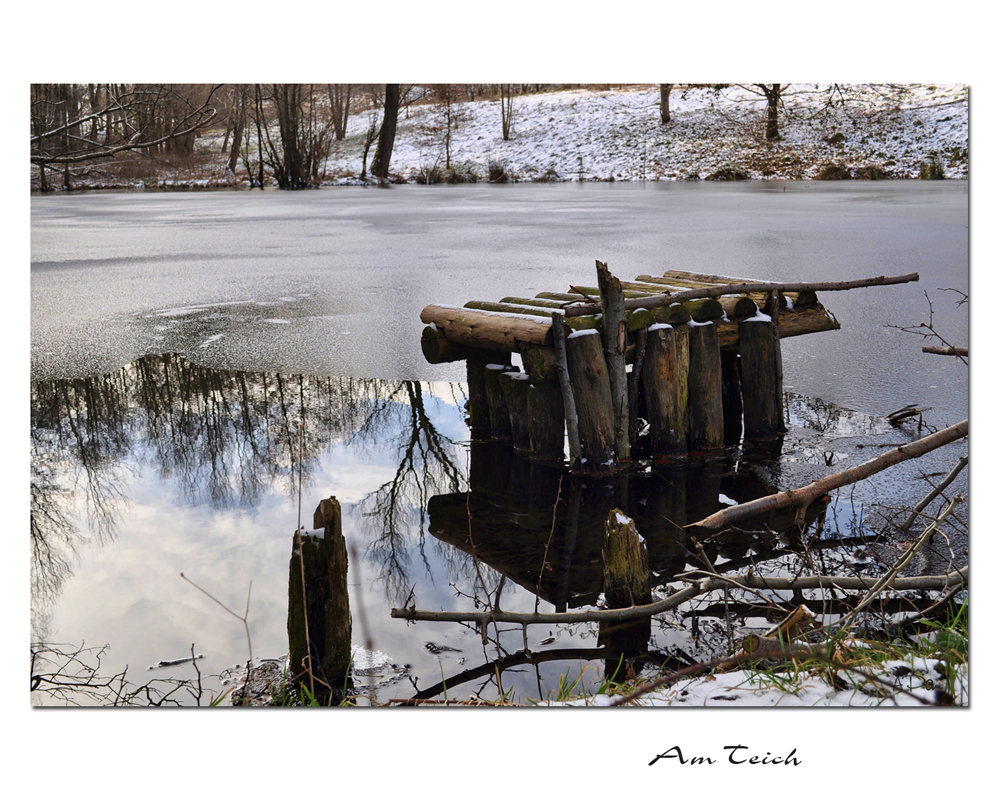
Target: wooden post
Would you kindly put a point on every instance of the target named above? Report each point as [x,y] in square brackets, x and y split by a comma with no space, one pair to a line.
[705,388]
[761,405]
[566,388]
[514,386]
[732,397]
[319,611]
[499,414]
[665,378]
[545,421]
[614,338]
[588,374]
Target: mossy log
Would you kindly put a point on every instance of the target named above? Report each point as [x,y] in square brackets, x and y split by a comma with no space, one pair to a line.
[706,419]
[588,375]
[665,379]
[439,349]
[488,330]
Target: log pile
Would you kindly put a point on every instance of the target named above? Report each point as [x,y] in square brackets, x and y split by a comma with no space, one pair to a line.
[697,355]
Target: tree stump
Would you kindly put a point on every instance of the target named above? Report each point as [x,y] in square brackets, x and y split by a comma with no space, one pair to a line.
[319,611]
[626,583]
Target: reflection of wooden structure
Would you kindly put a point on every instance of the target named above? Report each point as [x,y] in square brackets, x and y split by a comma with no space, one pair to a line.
[516,524]
[697,369]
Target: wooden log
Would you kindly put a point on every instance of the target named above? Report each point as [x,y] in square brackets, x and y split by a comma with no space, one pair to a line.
[588,374]
[500,425]
[706,418]
[532,301]
[507,308]
[732,397]
[585,308]
[705,309]
[811,319]
[761,405]
[614,338]
[675,314]
[439,349]
[546,435]
[665,379]
[319,612]
[515,391]
[945,351]
[488,330]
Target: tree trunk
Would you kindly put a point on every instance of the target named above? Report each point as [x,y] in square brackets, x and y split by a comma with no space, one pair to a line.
[387,133]
[665,102]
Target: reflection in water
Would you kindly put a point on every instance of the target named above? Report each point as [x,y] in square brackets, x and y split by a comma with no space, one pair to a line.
[499,522]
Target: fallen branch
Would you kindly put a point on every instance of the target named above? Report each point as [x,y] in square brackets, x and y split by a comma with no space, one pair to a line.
[803,496]
[697,587]
[583,309]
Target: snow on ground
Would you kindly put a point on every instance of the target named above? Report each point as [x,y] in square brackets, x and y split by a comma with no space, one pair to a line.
[617,135]
[871,131]
[916,682]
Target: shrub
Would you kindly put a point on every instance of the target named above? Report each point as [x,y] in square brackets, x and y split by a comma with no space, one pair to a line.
[728,174]
[833,172]
[932,171]
[497,172]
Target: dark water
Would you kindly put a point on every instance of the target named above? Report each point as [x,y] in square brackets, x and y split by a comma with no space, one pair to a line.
[146,468]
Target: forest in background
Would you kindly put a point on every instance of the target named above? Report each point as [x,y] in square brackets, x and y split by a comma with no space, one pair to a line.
[293,136]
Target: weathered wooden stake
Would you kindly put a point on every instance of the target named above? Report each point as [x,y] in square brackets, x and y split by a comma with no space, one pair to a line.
[545,421]
[614,337]
[479,407]
[588,374]
[761,404]
[705,388]
[559,336]
[665,379]
[775,306]
[319,611]
[514,386]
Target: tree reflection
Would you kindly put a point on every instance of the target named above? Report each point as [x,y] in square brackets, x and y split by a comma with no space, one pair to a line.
[427,466]
[224,440]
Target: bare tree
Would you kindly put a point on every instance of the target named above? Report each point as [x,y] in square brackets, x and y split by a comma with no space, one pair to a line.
[387,133]
[115,119]
[507,109]
[340,107]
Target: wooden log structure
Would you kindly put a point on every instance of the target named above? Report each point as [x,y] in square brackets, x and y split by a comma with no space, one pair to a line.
[697,354]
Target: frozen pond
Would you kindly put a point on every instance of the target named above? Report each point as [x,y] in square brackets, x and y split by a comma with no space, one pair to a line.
[162,466]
